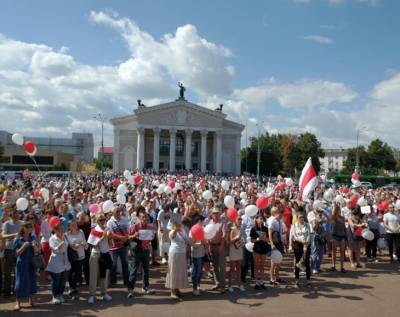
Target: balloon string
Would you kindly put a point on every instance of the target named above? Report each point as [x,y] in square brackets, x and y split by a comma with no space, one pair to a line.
[34,161]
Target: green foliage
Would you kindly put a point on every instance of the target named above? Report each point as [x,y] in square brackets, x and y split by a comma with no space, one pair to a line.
[107,164]
[373,160]
[281,154]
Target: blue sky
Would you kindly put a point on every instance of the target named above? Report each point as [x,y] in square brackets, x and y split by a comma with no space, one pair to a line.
[325,66]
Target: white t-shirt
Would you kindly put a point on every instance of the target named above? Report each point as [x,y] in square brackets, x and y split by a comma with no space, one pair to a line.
[94,239]
[163,217]
[274,224]
[392,222]
[178,245]
[78,238]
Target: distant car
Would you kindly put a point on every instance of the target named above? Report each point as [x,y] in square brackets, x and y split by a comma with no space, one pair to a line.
[391,186]
[367,185]
[57,174]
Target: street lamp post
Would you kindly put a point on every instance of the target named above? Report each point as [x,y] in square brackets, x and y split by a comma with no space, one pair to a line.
[99,117]
[258,150]
[363,128]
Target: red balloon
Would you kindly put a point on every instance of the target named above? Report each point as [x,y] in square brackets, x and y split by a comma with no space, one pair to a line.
[232,214]
[355,176]
[36,193]
[171,184]
[29,147]
[353,201]
[115,182]
[202,183]
[384,205]
[53,222]
[345,190]
[262,202]
[197,232]
[137,179]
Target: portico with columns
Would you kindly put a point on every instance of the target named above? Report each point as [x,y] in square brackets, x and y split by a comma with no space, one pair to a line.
[178,135]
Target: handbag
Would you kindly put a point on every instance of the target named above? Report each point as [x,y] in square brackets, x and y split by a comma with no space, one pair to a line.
[72,255]
[38,261]
[238,243]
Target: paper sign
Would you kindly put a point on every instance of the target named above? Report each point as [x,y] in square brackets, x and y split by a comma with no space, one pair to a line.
[366,210]
[146,234]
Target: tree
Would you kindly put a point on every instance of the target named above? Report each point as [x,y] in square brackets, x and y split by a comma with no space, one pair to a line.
[351,160]
[107,163]
[308,146]
[288,150]
[380,155]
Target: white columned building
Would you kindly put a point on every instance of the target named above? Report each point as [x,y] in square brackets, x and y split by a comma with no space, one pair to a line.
[175,136]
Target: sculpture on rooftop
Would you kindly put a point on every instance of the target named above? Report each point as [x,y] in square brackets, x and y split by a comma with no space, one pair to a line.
[182,90]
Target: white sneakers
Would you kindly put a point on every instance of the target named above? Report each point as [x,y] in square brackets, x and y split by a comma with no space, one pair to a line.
[242,289]
[106,297]
[56,301]
[196,292]
[130,294]
[91,300]
[164,261]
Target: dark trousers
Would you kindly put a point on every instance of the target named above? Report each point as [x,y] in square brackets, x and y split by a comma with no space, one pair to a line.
[197,268]
[298,249]
[74,274]
[58,283]
[247,263]
[121,253]
[393,240]
[371,246]
[85,267]
[9,268]
[139,257]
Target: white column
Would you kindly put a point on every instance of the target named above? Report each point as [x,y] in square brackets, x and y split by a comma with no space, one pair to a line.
[218,156]
[215,152]
[237,155]
[156,149]
[203,150]
[172,145]
[188,149]
[116,150]
[140,148]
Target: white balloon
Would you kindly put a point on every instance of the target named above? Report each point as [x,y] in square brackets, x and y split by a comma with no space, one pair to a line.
[397,205]
[130,179]
[276,256]
[44,192]
[225,185]
[249,246]
[243,195]
[251,210]
[121,189]
[207,194]
[18,139]
[167,190]
[243,202]
[361,202]
[156,183]
[209,231]
[270,191]
[108,206]
[357,183]
[339,200]
[159,190]
[368,235]
[162,187]
[22,203]
[229,201]
[288,181]
[127,174]
[329,195]
[121,199]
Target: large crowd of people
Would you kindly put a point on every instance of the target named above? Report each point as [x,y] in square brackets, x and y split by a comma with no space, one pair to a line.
[107,230]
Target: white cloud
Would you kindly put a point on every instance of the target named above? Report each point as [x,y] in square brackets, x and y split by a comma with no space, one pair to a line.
[303,94]
[318,39]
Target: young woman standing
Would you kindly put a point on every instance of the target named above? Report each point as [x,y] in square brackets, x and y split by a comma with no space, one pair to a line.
[338,237]
[236,244]
[258,235]
[25,276]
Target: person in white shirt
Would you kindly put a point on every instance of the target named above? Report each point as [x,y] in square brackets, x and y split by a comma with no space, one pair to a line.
[300,243]
[177,263]
[58,265]
[163,233]
[391,222]
[77,243]
[99,240]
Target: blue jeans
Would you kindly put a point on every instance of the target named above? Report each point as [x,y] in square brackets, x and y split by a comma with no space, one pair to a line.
[317,253]
[58,283]
[139,256]
[121,253]
[197,268]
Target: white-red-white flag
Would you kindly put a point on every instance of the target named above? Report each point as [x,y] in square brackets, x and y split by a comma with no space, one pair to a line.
[308,180]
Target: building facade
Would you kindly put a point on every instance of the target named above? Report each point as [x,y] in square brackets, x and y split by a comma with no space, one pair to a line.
[51,152]
[334,160]
[106,153]
[178,135]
